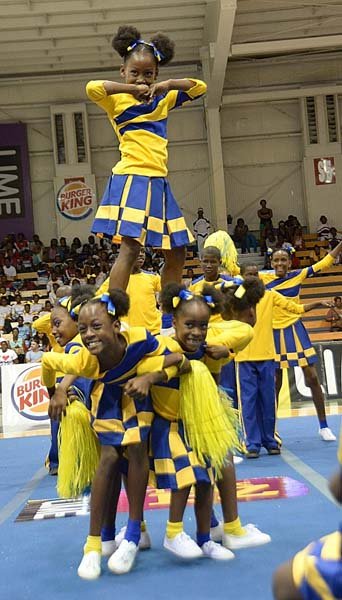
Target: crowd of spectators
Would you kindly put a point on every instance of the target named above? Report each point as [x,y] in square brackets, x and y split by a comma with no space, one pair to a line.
[23,298]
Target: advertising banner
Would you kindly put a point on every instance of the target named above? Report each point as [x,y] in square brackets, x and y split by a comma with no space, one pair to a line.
[16,213]
[25,400]
[75,205]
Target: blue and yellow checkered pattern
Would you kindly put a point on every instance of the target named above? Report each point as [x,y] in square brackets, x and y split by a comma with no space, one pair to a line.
[142,208]
[121,422]
[173,464]
[293,347]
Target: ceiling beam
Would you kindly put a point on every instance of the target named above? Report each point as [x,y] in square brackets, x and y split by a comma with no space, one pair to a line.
[286,46]
[217,40]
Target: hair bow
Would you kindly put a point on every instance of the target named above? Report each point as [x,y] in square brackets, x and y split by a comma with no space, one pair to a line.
[290,249]
[209,300]
[158,55]
[106,299]
[240,291]
[183,295]
[65,302]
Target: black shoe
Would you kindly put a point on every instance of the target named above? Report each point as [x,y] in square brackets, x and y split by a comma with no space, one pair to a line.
[252,454]
[273,451]
[53,471]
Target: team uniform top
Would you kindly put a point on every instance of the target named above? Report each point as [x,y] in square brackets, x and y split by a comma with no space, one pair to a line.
[141,128]
[117,418]
[262,345]
[235,335]
[289,286]
[142,290]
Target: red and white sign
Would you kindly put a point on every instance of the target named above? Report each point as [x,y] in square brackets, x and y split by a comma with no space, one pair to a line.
[325,171]
[25,400]
[75,199]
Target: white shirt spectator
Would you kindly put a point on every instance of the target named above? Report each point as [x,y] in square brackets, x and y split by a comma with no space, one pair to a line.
[202,229]
[17,310]
[10,271]
[8,357]
[323,229]
[36,307]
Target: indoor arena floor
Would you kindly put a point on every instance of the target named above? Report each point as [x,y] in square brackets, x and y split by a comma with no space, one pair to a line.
[286,496]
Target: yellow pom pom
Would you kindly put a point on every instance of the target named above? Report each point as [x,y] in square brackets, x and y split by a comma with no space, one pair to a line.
[210,423]
[78,450]
[224,243]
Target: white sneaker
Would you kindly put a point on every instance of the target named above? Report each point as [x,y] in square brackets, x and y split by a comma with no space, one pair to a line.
[326,434]
[90,566]
[107,548]
[237,460]
[216,551]
[216,533]
[123,558]
[144,542]
[252,537]
[183,546]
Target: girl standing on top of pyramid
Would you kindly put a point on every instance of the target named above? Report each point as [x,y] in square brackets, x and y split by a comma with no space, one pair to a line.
[138,203]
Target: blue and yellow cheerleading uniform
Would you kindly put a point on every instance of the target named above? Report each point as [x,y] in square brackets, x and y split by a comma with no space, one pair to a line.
[317,570]
[118,419]
[255,374]
[80,388]
[142,290]
[138,201]
[293,347]
[174,465]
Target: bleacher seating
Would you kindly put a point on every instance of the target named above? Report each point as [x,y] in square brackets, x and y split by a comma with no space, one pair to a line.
[324,285]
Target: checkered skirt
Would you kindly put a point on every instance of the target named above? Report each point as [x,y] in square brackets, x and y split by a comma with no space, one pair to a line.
[293,347]
[142,208]
[173,465]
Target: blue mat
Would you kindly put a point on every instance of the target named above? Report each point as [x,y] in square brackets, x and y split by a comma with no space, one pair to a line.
[39,559]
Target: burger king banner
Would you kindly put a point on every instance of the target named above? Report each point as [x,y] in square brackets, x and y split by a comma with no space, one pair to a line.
[75,205]
[25,400]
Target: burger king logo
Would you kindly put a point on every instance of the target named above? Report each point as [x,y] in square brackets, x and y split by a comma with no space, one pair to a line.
[75,199]
[28,395]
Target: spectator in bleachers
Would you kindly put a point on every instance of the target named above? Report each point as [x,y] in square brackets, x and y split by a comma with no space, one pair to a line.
[36,305]
[317,253]
[53,249]
[230,226]
[92,243]
[17,308]
[202,228]
[333,242]
[7,355]
[243,238]
[297,239]
[43,341]
[270,238]
[63,249]
[42,275]
[282,231]
[34,354]
[9,270]
[5,308]
[37,255]
[76,244]
[54,278]
[16,344]
[35,242]
[27,315]
[334,315]
[21,242]
[52,294]
[70,270]
[7,328]
[265,215]
[23,328]
[323,229]
[47,308]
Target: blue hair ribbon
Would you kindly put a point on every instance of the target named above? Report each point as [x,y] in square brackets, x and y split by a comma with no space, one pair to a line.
[209,300]
[106,299]
[183,295]
[158,55]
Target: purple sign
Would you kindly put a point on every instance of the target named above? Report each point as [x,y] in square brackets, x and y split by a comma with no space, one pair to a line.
[15,186]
